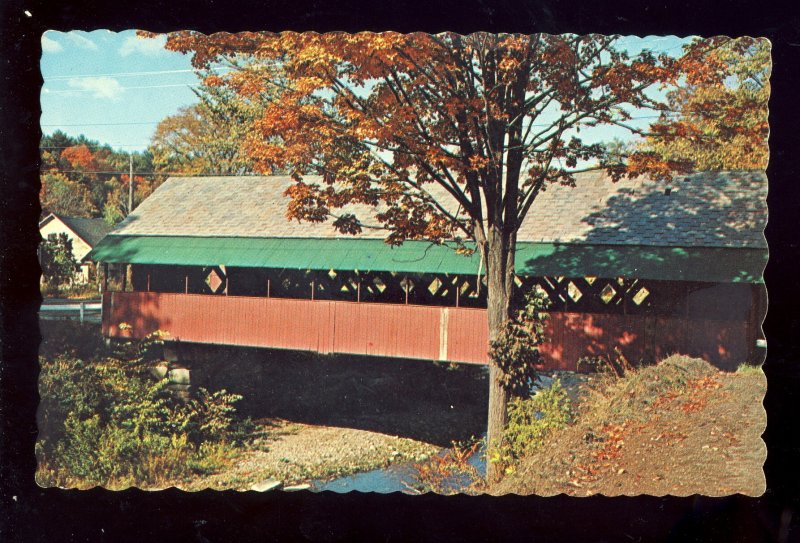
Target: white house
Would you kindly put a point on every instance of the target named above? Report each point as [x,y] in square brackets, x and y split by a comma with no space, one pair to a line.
[84,233]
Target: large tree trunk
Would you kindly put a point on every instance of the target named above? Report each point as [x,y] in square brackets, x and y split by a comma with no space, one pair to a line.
[500,282]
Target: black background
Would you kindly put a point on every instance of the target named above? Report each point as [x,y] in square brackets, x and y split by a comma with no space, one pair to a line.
[29,513]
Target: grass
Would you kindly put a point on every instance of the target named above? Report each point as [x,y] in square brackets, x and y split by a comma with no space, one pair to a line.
[749,369]
[619,399]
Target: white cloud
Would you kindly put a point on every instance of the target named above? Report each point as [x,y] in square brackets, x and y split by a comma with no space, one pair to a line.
[82,41]
[101,87]
[50,45]
[142,46]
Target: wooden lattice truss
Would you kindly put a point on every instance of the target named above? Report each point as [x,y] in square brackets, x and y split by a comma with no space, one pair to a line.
[581,294]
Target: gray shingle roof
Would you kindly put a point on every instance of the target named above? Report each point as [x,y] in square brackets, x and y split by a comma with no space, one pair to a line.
[708,209]
[89,230]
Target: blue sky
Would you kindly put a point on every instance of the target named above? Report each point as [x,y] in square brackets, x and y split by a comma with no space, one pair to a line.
[100,83]
[115,87]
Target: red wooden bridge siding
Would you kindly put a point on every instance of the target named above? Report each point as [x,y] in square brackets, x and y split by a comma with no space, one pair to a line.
[400,331]
[643,338]
[409,331]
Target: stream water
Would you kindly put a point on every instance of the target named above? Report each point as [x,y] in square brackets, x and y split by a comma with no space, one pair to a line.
[394,478]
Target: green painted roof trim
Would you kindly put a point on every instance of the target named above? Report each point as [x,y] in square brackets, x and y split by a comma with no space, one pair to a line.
[712,264]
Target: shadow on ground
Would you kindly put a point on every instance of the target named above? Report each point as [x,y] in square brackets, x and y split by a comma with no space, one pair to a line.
[416,399]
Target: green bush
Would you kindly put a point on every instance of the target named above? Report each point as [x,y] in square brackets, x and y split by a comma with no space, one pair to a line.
[530,422]
[57,260]
[516,350]
[108,422]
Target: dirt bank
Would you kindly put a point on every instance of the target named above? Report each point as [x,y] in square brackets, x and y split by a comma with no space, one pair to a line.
[678,428]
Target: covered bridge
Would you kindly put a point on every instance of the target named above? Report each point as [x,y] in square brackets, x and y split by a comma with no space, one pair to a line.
[646,267]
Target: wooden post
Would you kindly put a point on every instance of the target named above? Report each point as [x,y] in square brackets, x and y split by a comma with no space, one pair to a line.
[148,282]
[358,290]
[268,287]
[405,287]
[313,287]
[625,293]
[186,285]
[458,290]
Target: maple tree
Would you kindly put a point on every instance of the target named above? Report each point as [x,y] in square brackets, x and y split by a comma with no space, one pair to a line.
[79,178]
[205,138]
[61,194]
[450,137]
[722,118]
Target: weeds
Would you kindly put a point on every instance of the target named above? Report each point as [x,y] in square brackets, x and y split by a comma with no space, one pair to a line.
[108,422]
[448,473]
[749,369]
[530,422]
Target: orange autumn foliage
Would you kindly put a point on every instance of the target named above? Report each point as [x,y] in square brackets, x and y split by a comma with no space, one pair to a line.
[80,157]
[452,136]
[490,118]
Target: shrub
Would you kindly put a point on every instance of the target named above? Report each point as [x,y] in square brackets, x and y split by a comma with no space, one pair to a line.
[530,422]
[57,260]
[108,422]
[516,350]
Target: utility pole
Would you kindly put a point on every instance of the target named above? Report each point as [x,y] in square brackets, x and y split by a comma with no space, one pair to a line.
[130,185]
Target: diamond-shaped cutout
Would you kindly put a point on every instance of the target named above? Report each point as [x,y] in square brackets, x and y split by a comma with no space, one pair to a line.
[380,285]
[435,285]
[407,284]
[590,279]
[574,292]
[641,296]
[332,274]
[213,280]
[607,294]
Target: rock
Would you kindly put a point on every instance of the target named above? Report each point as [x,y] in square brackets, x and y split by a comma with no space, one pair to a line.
[295,488]
[266,486]
[159,371]
[179,376]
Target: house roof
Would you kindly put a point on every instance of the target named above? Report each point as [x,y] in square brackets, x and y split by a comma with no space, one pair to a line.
[89,230]
[708,228]
[709,209]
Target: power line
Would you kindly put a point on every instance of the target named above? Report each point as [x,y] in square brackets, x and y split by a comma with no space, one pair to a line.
[117,74]
[95,145]
[103,124]
[113,172]
[64,77]
[67,91]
